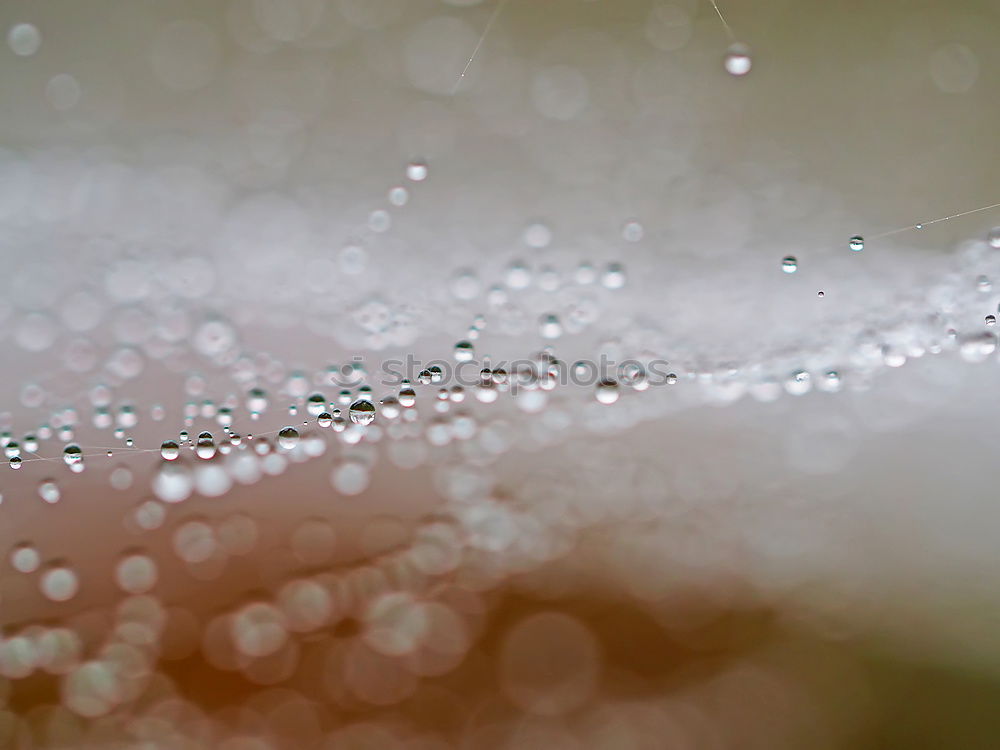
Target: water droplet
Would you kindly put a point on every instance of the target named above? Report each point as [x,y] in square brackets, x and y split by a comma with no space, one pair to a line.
[257,400]
[464,351]
[614,276]
[407,396]
[169,450]
[362,412]
[634,376]
[205,448]
[991,320]
[798,383]
[288,438]
[487,392]
[72,454]
[518,276]
[325,419]
[136,573]
[390,407]
[585,274]
[25,558]
[24,39]
[857,243]
[379,221]
[398,196]
[820,293]
[994,238]
[59,583]
[49,491]
[550,327]
[632,231]
[607,391]
[789,264]
[537,235]
[416,170]
[737,60]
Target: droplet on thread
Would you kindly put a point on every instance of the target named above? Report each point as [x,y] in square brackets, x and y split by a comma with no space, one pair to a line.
[738,61]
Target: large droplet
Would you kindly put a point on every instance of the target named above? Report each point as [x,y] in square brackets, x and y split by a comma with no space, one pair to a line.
[72,454]
[288,438]
[169,450]
[362,412]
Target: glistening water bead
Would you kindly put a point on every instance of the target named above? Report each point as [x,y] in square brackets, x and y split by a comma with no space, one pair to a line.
[857,243]
[416,170]
[607,392]
[72,454]
[362,412]
[288,438]
[737,60]
[789,264]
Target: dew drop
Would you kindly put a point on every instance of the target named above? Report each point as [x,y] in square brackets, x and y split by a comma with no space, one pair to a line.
[607,392]
[205,448]
[789,264]
[857,243]
[288,438]
[407,396]
[72,454]
[136,573]
[390,407]
[169,450]
[416,170]
[49,491]
[59,583]
[632,231]
[362,412]
[737,60]
[24,39]
[550,327]
[316,404]
[614,276]
[25,558]
[464,351]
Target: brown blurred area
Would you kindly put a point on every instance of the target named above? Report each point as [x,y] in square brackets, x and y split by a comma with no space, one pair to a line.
[581,671]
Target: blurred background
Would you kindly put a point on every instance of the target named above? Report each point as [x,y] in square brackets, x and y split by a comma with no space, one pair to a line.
[226,524]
